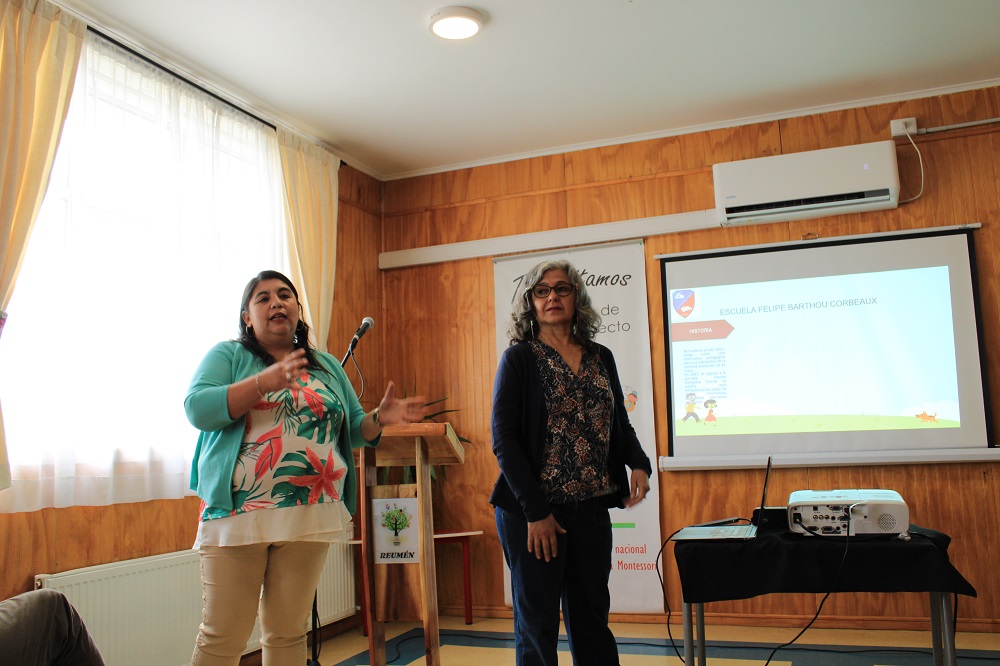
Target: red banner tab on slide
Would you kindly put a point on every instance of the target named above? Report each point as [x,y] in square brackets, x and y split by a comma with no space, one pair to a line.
[715,329]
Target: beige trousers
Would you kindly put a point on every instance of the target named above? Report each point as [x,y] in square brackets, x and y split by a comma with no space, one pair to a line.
[279,578]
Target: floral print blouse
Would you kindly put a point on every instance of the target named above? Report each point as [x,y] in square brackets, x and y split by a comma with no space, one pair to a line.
[289,455]
[579,405]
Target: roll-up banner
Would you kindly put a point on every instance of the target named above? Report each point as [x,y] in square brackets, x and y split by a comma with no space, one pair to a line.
[615,278]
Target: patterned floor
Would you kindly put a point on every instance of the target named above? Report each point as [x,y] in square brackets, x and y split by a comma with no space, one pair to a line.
[489,643]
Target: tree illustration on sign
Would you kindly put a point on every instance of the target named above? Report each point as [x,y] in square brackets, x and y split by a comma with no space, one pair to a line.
[395,519]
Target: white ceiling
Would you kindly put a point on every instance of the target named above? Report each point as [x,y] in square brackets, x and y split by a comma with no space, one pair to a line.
[368,79]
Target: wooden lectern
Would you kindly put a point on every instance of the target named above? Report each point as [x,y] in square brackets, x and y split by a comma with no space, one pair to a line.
[404,591]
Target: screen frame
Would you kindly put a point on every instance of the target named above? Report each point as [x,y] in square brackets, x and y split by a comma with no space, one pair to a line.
[741,459]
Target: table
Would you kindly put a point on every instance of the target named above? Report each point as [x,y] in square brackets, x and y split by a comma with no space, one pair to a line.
[779,560]
[463,538]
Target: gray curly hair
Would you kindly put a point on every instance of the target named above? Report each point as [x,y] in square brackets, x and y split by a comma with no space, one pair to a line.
[523,326]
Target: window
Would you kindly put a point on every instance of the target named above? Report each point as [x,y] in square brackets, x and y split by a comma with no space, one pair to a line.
[163,203]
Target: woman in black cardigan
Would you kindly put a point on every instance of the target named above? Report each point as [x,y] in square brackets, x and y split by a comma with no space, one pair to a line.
[562,437]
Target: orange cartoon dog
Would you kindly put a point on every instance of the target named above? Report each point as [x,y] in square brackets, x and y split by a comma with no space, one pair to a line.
[927,418]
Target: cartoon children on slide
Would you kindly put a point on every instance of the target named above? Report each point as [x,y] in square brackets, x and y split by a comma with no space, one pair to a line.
[710,405]
[689,406]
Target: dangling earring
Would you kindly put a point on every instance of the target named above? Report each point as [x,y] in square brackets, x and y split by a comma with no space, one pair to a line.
[531,325]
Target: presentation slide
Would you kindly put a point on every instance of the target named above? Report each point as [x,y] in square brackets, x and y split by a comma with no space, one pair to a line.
[825,347]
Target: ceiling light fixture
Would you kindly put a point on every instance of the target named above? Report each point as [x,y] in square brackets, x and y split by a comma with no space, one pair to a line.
[456,22]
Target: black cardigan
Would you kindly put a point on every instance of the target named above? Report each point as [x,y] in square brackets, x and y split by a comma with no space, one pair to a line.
[518,426]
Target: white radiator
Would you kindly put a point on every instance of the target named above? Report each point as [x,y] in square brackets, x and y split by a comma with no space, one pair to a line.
[147,610]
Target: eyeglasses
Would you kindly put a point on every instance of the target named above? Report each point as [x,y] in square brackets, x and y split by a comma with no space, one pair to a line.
[561,289]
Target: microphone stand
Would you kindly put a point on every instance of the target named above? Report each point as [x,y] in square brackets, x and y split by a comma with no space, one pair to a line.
[315,609]
[350,350]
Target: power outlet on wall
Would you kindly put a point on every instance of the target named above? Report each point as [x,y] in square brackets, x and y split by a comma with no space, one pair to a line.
[902,127]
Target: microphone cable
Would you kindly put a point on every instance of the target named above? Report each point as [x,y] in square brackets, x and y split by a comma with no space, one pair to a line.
[360,373]
[833,586]
[314,616]
[663,588]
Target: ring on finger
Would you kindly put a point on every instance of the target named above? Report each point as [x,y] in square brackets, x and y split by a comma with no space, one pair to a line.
[288,376]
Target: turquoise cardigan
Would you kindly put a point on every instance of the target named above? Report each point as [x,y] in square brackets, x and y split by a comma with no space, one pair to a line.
[207,409]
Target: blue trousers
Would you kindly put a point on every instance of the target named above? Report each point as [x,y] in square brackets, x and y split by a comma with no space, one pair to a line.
[577,577]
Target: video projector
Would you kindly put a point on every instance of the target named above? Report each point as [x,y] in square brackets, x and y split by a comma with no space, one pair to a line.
[834,512]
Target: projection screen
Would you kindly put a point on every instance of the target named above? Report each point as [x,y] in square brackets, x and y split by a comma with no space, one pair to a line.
[866,348]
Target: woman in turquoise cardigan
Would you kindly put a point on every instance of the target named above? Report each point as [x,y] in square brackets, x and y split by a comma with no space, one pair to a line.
[278,420]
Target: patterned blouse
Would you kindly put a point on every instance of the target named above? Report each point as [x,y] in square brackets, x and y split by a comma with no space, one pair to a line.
[579,405]
[289,455]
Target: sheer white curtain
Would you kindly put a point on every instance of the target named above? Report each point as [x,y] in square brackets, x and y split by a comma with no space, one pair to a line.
[163,202]
[40,49]
[312,188]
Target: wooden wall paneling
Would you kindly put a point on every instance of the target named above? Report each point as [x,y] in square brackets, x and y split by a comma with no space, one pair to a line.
[479,372]
[91,533]
[606,163]
[504,216]
[29,545]
[401,232]
[986,179]
[598,204]
[470,184]
[407,194]
[855,224]
[359,190]
[463,185]
[180,522]
[358,286]
[500,217]
[526,214]
[963,107]
[636,199]
[760,140]
[440,339]
[741,143]
[495,181]
[536,174]
[948,186]
[832,129]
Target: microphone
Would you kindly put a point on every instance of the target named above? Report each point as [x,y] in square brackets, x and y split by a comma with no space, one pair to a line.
[366,324]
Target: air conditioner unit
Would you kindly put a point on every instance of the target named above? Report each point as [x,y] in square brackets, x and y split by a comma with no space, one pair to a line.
[815,183]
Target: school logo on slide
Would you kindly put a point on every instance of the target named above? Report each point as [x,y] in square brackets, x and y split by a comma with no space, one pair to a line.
[683,302]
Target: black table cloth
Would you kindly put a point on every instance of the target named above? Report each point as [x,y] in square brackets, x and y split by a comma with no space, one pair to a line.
[779,560]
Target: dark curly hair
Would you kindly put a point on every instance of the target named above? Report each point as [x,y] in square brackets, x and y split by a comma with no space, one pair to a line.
[247,338]
[523,325]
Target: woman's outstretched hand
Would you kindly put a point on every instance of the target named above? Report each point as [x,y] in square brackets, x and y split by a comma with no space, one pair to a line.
[396,411]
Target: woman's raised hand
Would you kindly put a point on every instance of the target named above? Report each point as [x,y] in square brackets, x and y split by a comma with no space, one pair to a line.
[282,375]
[394,411]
